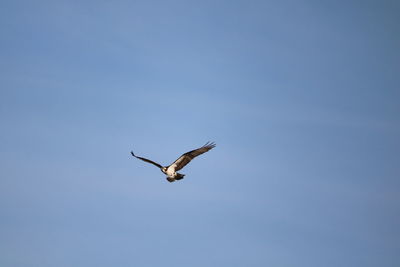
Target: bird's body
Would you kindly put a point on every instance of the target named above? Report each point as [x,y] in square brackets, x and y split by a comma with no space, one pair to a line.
[172,175]
[182,161]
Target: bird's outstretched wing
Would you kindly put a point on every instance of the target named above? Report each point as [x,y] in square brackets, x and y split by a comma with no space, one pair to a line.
[147,160]
[183,160]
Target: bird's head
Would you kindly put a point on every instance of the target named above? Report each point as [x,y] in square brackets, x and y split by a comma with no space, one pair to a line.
[164,169]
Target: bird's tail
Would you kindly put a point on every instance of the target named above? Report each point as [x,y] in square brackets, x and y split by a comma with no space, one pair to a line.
[179,176]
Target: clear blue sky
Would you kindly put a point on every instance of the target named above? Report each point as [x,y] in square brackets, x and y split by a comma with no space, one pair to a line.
[301,97]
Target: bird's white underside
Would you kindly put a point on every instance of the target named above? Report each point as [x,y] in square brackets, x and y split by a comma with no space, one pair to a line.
[171,171]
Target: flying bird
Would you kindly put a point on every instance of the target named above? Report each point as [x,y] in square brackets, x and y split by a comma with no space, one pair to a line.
[182,161]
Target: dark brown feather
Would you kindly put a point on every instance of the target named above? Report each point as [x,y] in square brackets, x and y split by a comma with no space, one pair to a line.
[183,160]
[147,160]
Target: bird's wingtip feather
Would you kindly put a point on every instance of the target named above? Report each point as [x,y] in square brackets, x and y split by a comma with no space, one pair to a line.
[210,144]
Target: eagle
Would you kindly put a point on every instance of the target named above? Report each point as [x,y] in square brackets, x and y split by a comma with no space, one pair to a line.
[182,161]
